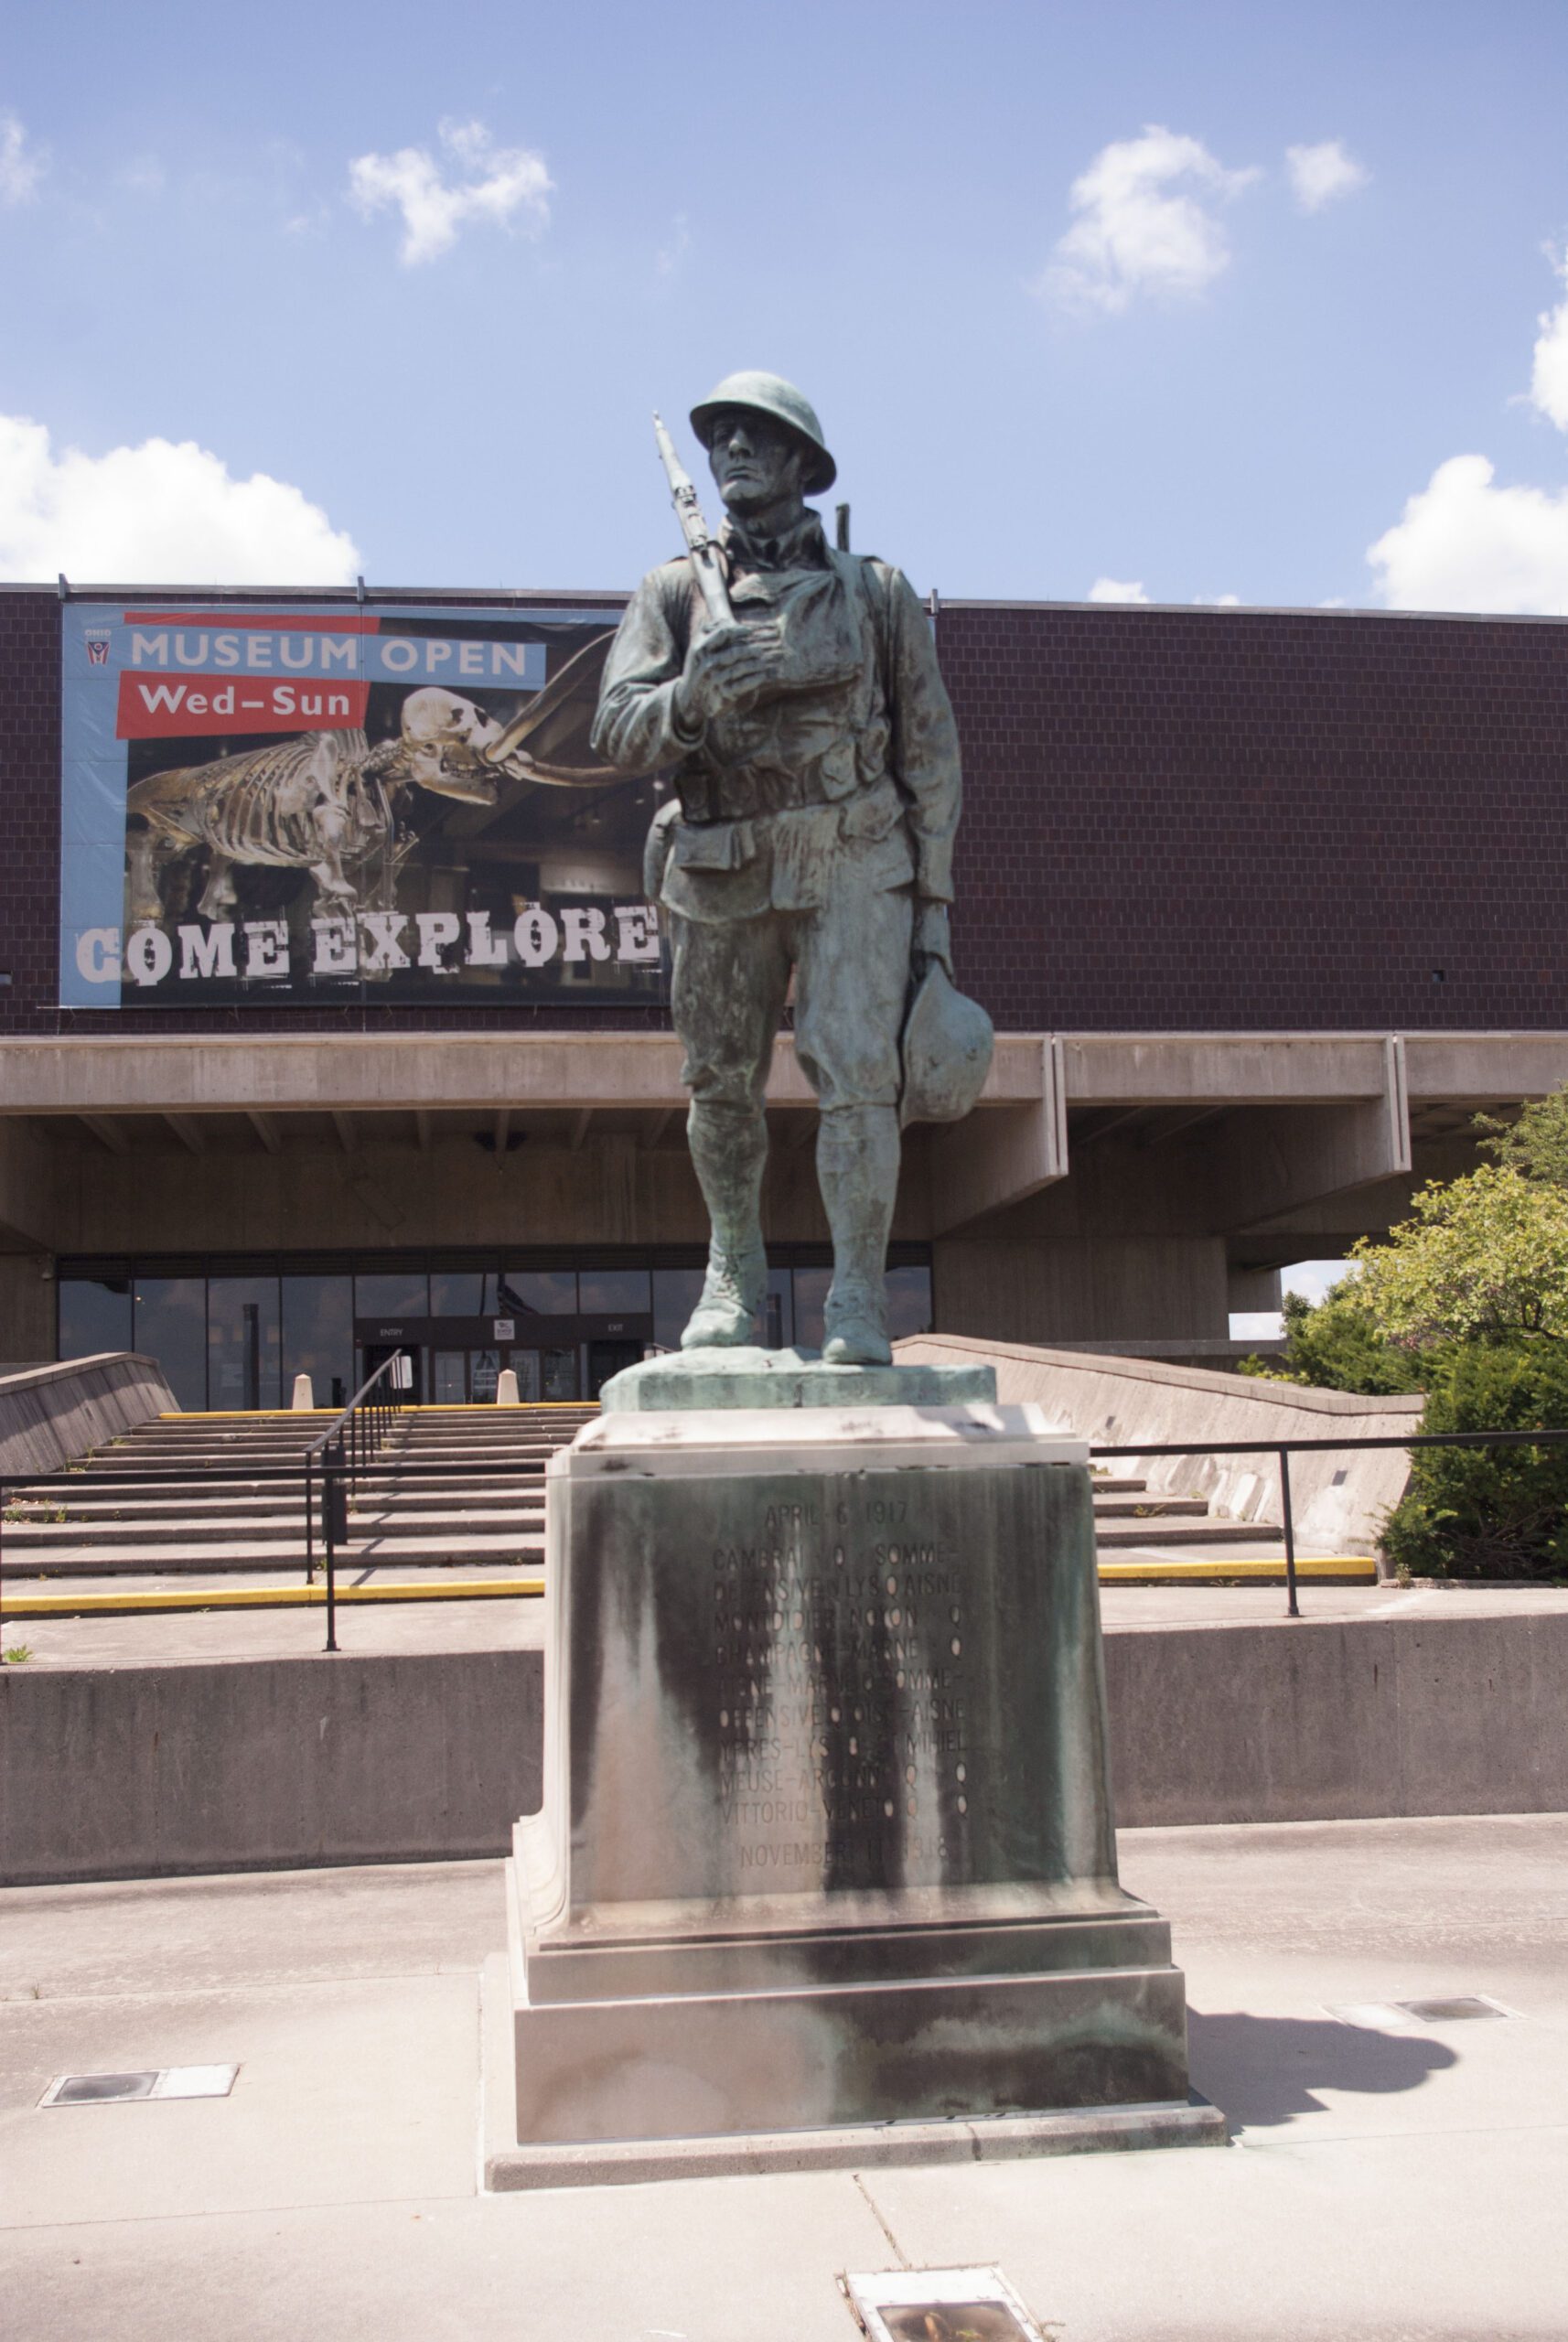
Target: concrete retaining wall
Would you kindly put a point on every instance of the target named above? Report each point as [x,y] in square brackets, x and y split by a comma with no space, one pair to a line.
[52,1415]
[1343,1721]
[1339,1498]
[139,1772]
[278,1764]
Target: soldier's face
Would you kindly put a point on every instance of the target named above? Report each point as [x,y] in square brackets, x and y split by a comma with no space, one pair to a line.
[755,462]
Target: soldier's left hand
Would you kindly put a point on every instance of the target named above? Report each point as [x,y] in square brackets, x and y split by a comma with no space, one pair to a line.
[933,936]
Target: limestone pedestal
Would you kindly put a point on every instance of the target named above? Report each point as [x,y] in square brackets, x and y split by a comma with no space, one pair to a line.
[827,1841]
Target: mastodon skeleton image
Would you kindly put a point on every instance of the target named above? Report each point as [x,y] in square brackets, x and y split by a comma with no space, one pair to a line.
[326,801]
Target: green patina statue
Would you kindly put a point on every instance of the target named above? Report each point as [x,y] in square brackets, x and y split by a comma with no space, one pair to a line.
[796,693]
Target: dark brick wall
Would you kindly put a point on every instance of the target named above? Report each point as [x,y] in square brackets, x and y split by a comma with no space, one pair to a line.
[1175,819]
[1201,820]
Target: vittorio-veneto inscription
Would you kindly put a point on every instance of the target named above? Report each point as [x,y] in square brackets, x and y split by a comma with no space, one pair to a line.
[844,1706]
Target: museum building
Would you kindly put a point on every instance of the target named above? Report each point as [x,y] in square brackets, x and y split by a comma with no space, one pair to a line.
[334,1018]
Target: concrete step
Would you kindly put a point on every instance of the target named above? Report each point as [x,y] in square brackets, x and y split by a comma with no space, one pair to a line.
[48,1537]
[360,1552]
[1189,1532]
[255,1502]
[1148,1507]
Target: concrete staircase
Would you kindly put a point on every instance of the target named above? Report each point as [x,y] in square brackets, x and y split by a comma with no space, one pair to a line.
[415,1509]
[415,1506]
[1125,1513]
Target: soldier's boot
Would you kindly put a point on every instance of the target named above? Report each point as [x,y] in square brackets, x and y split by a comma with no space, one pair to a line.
[857,1169]
[729,1149]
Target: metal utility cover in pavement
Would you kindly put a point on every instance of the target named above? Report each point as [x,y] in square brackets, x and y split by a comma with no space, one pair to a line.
[119,2090]
[1400,2017]
[939,2306]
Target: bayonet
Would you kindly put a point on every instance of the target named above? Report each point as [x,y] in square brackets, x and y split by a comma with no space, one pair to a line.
[701,549]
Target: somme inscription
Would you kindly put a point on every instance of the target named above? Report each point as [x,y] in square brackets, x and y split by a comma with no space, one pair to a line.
[842,1715]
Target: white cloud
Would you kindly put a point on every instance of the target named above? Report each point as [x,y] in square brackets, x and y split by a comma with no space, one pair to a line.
[1549,375]
[1316,1279]
[22,165]
[1117,589]
[1217,601]
[159,514]
[1320,175]
[1462,544]
[498,184]
[1142,224]
[671,256]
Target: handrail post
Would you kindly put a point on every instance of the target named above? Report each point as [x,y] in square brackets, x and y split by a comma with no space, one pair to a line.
[1293,1608]
[309,1519]
[332,1495]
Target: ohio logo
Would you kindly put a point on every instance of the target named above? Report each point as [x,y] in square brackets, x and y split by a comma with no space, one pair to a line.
[96,639]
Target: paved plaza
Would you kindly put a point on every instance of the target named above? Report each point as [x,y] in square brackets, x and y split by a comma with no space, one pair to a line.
[1385,2181]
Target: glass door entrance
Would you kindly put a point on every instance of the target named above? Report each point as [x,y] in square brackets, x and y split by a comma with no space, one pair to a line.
[467,1378]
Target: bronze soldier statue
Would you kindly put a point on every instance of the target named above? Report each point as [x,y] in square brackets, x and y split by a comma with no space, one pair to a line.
[816,769]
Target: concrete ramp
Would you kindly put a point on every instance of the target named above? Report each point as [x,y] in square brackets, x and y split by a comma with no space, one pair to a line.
[1340,1496]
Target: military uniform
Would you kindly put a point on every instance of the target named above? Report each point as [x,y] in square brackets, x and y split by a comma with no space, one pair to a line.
[804,829]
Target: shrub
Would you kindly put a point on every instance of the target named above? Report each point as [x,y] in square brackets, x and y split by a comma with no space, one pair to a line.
[1489,1512]
[1337,1346]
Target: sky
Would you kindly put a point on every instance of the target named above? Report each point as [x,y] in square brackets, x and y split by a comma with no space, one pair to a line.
[1132,301]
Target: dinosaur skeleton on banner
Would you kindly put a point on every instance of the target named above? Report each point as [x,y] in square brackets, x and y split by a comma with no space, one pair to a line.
[326,802]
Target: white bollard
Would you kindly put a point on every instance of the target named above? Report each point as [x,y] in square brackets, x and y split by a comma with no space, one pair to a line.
[304,1396]
[506,1388]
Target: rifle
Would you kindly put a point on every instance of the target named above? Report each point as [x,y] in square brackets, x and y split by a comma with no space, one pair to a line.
[699,548]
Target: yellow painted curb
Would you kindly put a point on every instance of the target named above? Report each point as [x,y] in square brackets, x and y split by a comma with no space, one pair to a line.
[259,1597]
[1267,1571]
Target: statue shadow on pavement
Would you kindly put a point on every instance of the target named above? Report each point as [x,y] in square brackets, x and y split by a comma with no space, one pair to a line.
[1269,2070]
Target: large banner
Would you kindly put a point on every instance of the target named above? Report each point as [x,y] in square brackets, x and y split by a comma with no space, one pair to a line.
[385,802]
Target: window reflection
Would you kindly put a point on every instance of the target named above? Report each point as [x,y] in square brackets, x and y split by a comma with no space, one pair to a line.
[94,1315]
[675,1294]
[319,1336]
[170,1324]
[463,1293]
[811,1294]
[243,1348]
[393,1293]
[613,1293]
[549,1292]
[908,1302]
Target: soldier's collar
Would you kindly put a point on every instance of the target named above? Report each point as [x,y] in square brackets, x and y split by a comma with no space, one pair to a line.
[805,546]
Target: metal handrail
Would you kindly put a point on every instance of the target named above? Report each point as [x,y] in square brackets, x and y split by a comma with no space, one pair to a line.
[1285,1448]
[90,1482]
[343,1451]
[335,1427]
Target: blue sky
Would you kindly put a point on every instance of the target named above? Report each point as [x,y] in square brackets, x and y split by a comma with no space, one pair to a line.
[246,229]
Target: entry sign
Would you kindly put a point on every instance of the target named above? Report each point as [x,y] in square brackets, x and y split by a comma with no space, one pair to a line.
[506,1329]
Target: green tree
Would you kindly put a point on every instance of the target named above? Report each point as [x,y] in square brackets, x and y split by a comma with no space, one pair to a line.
[1484,1258]
[1489,1512]
[1337,1344]
[1536,1144]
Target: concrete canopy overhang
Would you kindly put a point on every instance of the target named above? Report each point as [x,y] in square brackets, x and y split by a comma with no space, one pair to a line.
[1273,1132]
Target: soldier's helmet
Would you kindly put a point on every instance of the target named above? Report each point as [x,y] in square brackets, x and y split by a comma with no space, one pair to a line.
[771,394]
[946,1050]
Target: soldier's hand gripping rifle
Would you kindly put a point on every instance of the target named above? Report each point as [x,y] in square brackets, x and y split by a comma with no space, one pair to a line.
[705,565]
